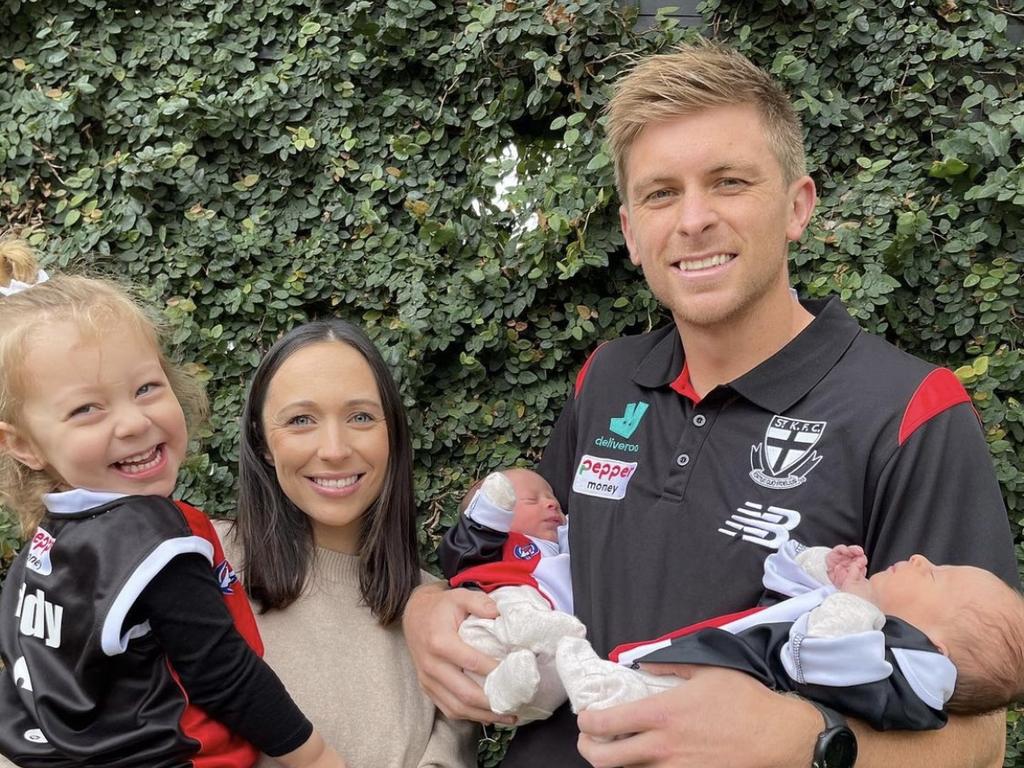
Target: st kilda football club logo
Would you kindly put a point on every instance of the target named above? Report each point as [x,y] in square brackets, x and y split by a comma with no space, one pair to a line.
[785,456]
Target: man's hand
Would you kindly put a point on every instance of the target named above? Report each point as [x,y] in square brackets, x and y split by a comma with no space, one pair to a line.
[431,625]
[718,717]
[845,564]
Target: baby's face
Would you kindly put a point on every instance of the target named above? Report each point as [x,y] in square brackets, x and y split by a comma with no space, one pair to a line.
[537,511]
[932,597]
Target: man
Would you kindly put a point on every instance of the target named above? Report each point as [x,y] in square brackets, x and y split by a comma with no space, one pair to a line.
[688,454]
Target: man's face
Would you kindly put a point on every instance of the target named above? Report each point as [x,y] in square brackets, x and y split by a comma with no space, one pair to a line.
[709,215]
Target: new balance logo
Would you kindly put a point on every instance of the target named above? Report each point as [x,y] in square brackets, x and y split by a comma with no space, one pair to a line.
[625,425]
[768,528]
[39,617]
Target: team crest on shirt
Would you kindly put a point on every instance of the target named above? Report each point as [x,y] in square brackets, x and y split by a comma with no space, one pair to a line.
[785,456]
[225,577]
[525,551]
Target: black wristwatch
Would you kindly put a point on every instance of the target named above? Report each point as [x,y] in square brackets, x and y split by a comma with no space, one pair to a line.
[837,745]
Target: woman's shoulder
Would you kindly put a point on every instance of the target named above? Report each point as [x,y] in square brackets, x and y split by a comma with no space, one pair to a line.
[427,577]
[228,535]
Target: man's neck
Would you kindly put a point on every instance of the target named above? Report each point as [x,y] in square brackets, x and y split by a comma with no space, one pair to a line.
[719,354]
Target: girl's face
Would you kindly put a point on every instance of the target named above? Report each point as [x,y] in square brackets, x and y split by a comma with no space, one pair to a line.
[99,412]
[327,439]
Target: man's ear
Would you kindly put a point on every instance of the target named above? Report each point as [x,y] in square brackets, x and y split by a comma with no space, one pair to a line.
[17,444]
[627,233]
[803,198]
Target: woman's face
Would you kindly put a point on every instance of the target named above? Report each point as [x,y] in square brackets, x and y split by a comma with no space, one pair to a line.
[327,438]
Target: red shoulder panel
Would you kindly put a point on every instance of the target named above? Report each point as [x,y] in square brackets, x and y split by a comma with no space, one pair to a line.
[939,391]
[583,371]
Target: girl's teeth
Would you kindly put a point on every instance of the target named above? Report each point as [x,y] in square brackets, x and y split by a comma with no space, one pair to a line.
[338,482]
[140,462]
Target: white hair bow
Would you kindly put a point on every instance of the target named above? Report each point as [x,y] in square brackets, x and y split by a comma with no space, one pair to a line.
[16,286]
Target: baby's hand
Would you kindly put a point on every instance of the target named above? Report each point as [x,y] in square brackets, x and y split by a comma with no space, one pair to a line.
[845,564]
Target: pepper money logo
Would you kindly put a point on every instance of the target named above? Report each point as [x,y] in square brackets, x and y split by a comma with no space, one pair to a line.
[39,553]
[626,424]
[603,478]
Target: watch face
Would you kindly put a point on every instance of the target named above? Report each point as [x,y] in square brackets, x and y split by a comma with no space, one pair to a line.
[840,748]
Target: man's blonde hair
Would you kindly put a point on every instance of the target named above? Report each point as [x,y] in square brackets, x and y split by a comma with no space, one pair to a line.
[694,78]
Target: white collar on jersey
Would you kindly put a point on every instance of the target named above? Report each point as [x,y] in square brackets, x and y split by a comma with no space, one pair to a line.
[77,500]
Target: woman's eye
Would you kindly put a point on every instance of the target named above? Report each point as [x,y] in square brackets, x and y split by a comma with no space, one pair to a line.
[302,420]
[363,418]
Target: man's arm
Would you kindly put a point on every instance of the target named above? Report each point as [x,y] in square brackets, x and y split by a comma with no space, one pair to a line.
[724,717]
[431,625]
[970,742]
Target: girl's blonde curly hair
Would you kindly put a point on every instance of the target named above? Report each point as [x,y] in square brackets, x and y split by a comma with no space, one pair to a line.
[97,306]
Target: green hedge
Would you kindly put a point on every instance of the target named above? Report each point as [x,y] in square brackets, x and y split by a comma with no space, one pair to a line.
[254,164]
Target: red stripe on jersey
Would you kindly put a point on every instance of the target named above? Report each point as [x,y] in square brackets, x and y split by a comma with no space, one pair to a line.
[716,621]
[219,747]
[684,386]
[583,371]
[236,601]
[939,391]
[519,559]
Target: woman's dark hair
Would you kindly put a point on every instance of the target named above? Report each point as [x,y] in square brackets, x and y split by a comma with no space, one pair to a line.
[277,536]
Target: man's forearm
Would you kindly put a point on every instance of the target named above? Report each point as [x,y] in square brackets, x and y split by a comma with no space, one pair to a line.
[965,742]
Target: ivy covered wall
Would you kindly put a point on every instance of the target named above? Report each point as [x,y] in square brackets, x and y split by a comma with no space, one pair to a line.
[256,163]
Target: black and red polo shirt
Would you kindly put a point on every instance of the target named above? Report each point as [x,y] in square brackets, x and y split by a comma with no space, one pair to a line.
[675,501]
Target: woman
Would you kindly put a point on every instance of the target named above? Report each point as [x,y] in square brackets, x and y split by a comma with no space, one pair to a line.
[326,527]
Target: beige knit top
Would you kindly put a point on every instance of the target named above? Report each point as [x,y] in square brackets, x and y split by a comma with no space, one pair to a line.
[353,678]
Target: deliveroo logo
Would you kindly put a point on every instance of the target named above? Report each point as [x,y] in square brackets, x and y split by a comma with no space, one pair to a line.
[626,424]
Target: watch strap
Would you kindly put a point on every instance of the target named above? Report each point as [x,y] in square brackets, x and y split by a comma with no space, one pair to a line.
[832,718]
[836,731]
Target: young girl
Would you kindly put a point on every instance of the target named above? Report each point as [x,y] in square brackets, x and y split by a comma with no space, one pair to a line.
[125,637]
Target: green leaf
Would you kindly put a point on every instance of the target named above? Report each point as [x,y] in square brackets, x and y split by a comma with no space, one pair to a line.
[947,168]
